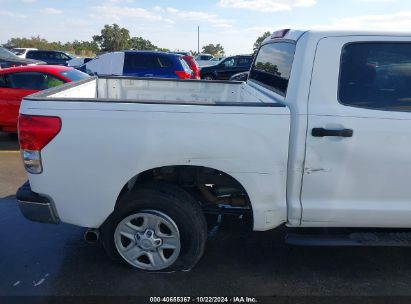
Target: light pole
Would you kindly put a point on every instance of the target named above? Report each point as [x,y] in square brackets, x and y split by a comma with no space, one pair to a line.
[198,39]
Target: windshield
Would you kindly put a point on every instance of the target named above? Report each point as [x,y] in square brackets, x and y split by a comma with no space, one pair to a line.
[7,54]
[74,74]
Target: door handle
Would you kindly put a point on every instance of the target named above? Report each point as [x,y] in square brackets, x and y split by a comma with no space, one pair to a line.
[321,132]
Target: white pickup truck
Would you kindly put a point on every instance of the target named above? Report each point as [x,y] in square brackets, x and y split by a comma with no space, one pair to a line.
[319,136]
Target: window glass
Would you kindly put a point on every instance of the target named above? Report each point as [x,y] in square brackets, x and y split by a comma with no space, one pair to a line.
[272,66]
[376,76]
[164,62]
[6,54]
[32,81]
[51,81]
[244,61]
[74,74]
[18,51]
[135,62]
[60,56]
[2,82]
[230,62]
[30,55]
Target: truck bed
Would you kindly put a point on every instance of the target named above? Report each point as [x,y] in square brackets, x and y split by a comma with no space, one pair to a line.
[156,91]
[114,129]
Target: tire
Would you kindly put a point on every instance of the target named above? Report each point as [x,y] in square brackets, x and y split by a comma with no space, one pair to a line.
[163,214]
[209,77]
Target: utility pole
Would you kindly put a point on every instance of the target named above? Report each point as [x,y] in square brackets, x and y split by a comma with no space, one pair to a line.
[198,39]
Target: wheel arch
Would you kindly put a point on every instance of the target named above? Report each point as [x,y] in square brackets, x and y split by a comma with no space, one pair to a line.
[194,180]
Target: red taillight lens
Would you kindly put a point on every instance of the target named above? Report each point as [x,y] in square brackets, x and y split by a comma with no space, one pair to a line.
[35,132]
[183,74]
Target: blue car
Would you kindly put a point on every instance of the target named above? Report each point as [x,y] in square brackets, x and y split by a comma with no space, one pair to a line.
[139,64]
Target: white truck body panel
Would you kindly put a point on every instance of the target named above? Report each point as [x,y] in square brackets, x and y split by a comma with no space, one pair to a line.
[159,135]
[115,129]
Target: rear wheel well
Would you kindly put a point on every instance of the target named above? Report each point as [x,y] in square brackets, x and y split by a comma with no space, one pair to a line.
[212,188]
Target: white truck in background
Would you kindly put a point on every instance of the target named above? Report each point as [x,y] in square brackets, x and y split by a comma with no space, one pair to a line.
[319,136]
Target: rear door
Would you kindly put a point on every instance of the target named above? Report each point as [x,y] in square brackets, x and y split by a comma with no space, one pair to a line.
[358,166]
[38,55]
[140,65]
[244,64]
[227,68]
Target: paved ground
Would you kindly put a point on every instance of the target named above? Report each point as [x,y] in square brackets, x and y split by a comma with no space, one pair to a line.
[38,259]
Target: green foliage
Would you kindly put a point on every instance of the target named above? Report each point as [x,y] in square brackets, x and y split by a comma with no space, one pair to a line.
[215,50]
[259,40]
[139,43]
[81,48]
[112,38]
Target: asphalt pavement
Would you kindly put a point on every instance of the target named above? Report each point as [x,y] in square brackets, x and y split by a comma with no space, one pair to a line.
[43,260]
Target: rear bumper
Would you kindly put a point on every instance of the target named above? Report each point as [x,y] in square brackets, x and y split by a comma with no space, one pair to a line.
[35,207]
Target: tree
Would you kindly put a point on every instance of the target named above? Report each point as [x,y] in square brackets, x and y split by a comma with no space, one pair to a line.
[260,40]
[112,38]
[138,43]
[215,50]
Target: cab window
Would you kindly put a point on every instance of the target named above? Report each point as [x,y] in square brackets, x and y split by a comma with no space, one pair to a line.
[272,66]
[376,75]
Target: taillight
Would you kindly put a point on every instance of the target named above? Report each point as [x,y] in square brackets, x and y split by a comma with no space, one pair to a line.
[183,74]
[35,132]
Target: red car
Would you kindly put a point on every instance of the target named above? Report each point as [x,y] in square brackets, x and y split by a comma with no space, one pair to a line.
[193,66]
[18,82]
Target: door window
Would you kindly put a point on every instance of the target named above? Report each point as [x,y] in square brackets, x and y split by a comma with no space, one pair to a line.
[2,82]
[135,62]
[376,76]
[230,62]
[164,62]
[33,81]
[244,62]
[59,56]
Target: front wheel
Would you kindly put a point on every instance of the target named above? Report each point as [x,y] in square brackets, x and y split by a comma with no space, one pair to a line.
[158,227]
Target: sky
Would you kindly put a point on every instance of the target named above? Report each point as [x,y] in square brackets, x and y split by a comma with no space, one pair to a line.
[235,24]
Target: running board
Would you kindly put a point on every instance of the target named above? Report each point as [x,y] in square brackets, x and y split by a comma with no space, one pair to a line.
[381,239]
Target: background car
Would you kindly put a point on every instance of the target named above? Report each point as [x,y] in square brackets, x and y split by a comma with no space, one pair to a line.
[139,64]
[205,60]
[9,59]
[217,59]
[243,76]
[185,53]
[18,82]
[192,63]
[204,57]
[50,57]
[22,52]
[227,68]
